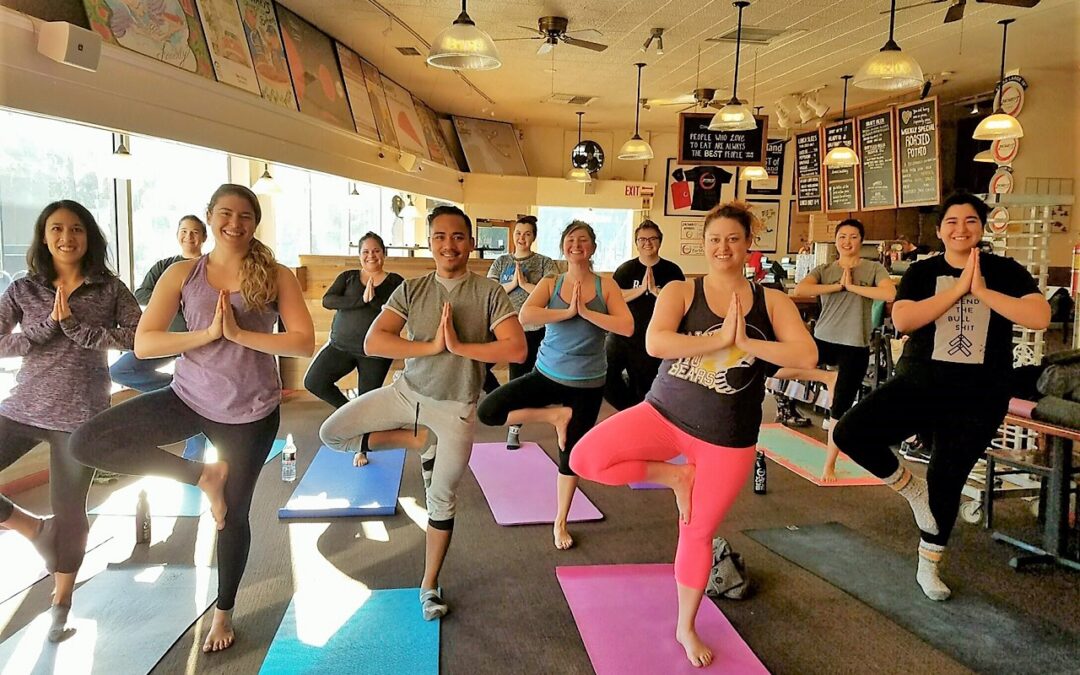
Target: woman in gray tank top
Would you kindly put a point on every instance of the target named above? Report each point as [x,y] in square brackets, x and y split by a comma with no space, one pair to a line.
[226,383]
[705,402]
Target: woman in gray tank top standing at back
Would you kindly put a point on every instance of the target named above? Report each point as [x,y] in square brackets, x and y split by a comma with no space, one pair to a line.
[566,389]
[226,383]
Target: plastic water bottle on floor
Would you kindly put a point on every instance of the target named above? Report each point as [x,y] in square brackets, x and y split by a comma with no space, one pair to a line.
[759,473]
[142,519]
[288,460]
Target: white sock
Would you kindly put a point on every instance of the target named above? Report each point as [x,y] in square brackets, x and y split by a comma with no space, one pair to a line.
[914,491]
[928,573]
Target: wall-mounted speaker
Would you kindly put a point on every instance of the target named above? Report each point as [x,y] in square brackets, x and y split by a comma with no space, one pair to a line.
[67,43]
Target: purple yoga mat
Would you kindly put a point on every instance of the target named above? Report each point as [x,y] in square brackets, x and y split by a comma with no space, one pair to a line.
[626,615]
[519,485]
[680,459]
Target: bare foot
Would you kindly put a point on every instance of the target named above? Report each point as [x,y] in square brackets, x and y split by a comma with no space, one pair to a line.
[683,489]
[359,459]
[697,651]
[212,482]
[563,540]
[828,476]
[221,635]
[560,419]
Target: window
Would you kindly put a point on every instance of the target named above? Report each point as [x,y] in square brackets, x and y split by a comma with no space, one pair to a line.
[41,161]
[614,229]
[172,180]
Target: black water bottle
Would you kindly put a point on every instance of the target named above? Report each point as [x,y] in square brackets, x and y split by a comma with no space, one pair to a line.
[142,519]
[759,473]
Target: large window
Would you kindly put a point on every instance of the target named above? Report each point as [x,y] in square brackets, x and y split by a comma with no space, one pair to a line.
[614,230]
[171,181]
[41,161]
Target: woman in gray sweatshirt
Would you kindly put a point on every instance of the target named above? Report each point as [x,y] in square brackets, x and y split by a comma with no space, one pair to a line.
[71,309]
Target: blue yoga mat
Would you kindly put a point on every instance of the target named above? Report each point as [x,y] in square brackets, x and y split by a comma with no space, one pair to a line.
[332,487]
[385,635]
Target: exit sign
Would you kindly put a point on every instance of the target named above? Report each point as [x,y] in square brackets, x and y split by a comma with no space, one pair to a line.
[639,191]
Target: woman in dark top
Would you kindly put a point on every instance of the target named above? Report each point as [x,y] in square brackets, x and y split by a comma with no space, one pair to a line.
[705,402]
[72,310]
[358,297]
[952,381]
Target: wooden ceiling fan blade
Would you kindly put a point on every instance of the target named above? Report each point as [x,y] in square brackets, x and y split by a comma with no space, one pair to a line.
[955,13]
[574,42]
[535,37]
[685,99]
[1026,4]
[917,4]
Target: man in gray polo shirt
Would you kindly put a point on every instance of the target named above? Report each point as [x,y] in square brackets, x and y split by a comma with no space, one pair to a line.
[456,322]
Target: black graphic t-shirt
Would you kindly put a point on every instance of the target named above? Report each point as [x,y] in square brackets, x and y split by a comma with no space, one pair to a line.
[708,181]
[628,277]
[969,334]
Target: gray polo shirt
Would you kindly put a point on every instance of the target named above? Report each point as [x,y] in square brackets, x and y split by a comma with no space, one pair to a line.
[479,305]
[845,317]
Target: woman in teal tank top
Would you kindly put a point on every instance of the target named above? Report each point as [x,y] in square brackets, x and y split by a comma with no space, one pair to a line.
[566,388]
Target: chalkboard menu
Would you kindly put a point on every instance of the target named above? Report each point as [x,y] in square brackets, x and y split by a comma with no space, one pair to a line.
[698,145]
[918,152]
[841,182]
[808,171]
[878,156]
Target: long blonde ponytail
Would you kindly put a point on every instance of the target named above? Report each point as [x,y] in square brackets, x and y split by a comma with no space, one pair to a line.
[258,277]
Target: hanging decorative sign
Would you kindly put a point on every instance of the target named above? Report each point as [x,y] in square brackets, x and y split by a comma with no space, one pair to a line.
[1004,150]
[700,145]
[998,221]
[918,150]
[808,171]
[1012,100]
[1002,181]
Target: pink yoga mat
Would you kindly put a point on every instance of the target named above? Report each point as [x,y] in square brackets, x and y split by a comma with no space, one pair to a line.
[657,486]
[519,485]
[626,615]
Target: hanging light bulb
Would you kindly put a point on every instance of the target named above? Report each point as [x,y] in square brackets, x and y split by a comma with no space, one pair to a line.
[890,69]
[636,148]
[735,116]
[578,173]
[266,185]
[410,211]
[842,155]
[120,164]
[985,156]
[999,124]
[463,46]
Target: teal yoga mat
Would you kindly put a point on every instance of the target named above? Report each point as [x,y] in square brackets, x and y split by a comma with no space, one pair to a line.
[984,634]
[385,635]
[806,457]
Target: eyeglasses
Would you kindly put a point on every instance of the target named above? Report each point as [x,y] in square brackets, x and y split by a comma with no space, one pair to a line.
[648,240]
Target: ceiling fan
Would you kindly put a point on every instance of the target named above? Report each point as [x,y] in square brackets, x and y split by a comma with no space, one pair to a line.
[956,9]
[552,30]
[702,97]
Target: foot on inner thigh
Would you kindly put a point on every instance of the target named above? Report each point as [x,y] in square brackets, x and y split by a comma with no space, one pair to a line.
[59,631]
[563,540]
[212,482]
[683,487]
[221,635]
[697,652]
[560,419]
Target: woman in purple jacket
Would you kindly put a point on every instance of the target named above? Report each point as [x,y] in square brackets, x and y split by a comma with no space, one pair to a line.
[72,309]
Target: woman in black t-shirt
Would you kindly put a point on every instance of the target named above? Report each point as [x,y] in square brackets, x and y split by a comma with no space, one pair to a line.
[952,382]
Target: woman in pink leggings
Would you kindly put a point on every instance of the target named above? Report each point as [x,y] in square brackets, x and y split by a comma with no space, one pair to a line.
[719,337]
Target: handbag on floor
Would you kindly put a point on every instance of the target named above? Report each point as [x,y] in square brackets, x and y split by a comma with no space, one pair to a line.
[728,577]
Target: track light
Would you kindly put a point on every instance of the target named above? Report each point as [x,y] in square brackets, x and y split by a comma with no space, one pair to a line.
[658,35]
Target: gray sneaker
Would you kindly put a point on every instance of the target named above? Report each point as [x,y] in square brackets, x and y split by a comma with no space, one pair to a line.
[432,604]
[512,440]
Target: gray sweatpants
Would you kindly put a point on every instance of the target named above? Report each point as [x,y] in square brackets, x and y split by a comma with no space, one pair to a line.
[395,407]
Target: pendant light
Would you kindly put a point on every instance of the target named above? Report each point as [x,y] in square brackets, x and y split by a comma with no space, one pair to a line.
[734,116]
[463,46]
[120,164]
[636,148]
[890,69]
[999,124]
[754,173]
[266,185]
[985,156]
[410,211]
[579,173]
[842,155]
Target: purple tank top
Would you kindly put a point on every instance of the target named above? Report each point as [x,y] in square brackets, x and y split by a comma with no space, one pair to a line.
[223,381]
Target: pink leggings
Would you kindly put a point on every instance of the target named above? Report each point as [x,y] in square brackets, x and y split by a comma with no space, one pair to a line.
[616,451]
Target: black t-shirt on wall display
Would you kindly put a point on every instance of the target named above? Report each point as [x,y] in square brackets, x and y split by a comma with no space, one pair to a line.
[708,181]
[629,276]
[970,333]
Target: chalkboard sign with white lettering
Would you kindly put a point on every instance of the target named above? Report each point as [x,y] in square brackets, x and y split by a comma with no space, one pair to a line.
[841,182]
[918,152]
[877,153]
[808,171]
[698,145]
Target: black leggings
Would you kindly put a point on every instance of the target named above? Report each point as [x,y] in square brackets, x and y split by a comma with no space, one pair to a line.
[851,363]
[331,364]
[535,390]
[621,391]
[127,439]
[533,338]
[69,482]
[959,417]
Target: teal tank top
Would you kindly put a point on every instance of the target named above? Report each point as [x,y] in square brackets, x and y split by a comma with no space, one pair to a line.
[572,351]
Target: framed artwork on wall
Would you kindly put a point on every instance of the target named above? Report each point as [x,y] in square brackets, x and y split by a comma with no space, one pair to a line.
[228,45]
[355,88]
[373,81]
[774,166]
[768,212]
[693,190]
[437,146]
[406,122]
[166,30]
[314,68]
[490,146]
[267,52]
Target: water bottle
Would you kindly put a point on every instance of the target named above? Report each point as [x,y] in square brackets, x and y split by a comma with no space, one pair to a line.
[288,460]
[142,519]
[759,473]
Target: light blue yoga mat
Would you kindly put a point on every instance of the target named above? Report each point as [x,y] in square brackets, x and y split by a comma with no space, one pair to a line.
[168,498]
[386,634]
[333,488]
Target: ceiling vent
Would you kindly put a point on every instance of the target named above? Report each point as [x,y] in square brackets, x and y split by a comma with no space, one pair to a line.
[751,35]
[571,99]
[408,51]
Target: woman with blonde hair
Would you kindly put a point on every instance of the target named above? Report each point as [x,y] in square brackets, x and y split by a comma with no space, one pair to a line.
[226,383]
